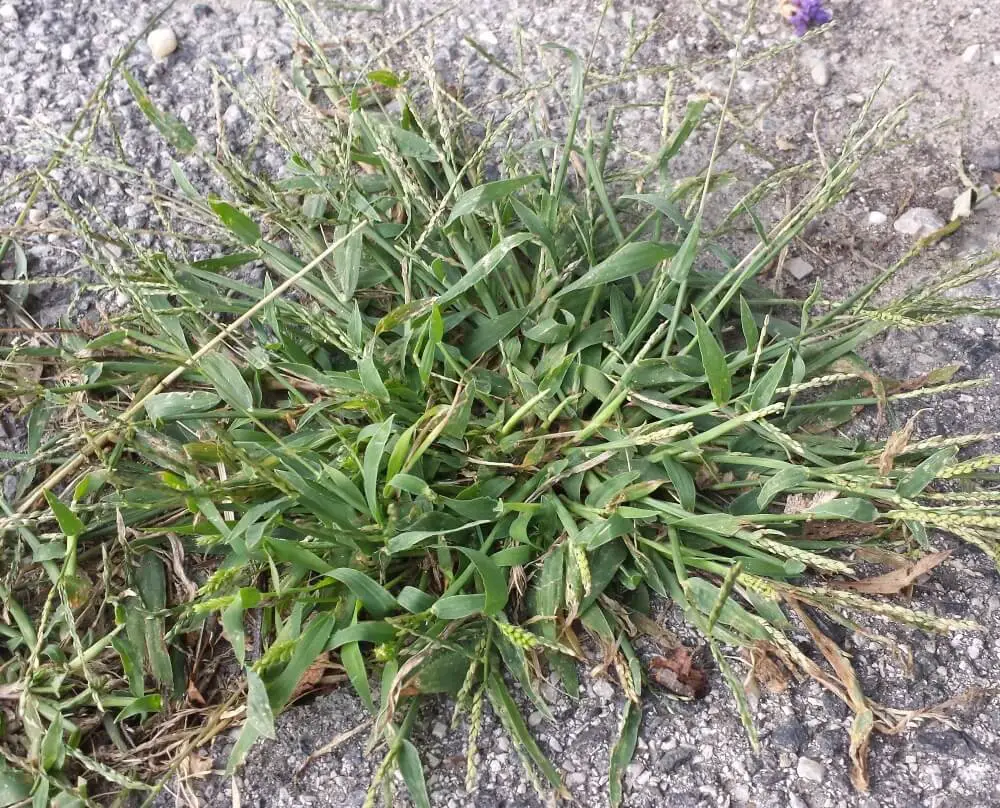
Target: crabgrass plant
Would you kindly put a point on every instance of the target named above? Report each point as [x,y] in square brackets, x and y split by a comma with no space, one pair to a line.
[458,437]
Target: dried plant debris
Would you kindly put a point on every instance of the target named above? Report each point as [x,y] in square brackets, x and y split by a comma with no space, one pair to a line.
[489,399]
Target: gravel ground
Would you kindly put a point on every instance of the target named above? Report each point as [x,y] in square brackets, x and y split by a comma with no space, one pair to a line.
[690,754]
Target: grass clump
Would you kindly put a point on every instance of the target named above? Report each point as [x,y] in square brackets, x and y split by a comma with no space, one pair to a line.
[462,433]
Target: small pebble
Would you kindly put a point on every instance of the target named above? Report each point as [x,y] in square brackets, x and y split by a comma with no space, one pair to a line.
[918,222]
[809,769]
[877,218]
[799,268]
[162,42]
[972,53]
[576,779]
[962,207]
[996,58]
[603,689]
[439,730]
[36,215]
[8,13]
[820,73]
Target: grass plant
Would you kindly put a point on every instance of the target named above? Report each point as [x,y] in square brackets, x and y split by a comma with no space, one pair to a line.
[493,396]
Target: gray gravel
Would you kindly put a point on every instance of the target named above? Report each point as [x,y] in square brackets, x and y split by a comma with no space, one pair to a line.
[690,754]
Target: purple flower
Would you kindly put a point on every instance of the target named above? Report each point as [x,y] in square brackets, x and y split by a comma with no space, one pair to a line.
[801,14]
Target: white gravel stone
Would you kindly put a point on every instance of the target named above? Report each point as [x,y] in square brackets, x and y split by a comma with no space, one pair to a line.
[162,42]
[918,222]
[877,218]
[996,58]
[8,13]
[603,689]
[820,73]
[809,769]
[439,730]
[799,268]
[972,53]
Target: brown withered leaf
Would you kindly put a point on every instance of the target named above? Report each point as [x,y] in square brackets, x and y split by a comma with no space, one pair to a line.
[677,673]
[194,694]
[941,375]
[899,579]
[895,445]
[798,503]
[312,677]
[767,668]
[853,695]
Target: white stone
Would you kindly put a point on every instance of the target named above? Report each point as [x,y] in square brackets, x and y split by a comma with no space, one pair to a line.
[820,73]
[439,730]
[972,53]
[799,268]
[67,52]
[809,769]
[962,206]
[877,218]
[37,215]
[162,42]
[918,222]
[603,689]
[996,58]
[8,13]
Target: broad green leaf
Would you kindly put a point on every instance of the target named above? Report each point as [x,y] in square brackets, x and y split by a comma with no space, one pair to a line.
[169,406]
[370,467]
[236,221]
[131,663]
[142,705]
[293,552]
[622,752]
[307,648]
[859,510]
[918,479]
[458,607]
[52,754]
[483,267]
[371,379]
[371,631]
[234,630]
[782,481]
[713,360]
[681,263]
[15,787]
[411,538]
[490,333]
[173,131]
[354,664]
[415,600]
[628,260]
[384,77]
[762,392]
[347,260]
[376,599]
[227,380]
[410,144]
[151,580]
[69,522]
[475,198]
[751,333]
[259,721]
[413,774]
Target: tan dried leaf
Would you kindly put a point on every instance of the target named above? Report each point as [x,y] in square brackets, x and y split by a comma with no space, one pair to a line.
[899,579]
[799,503]
[895,446]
